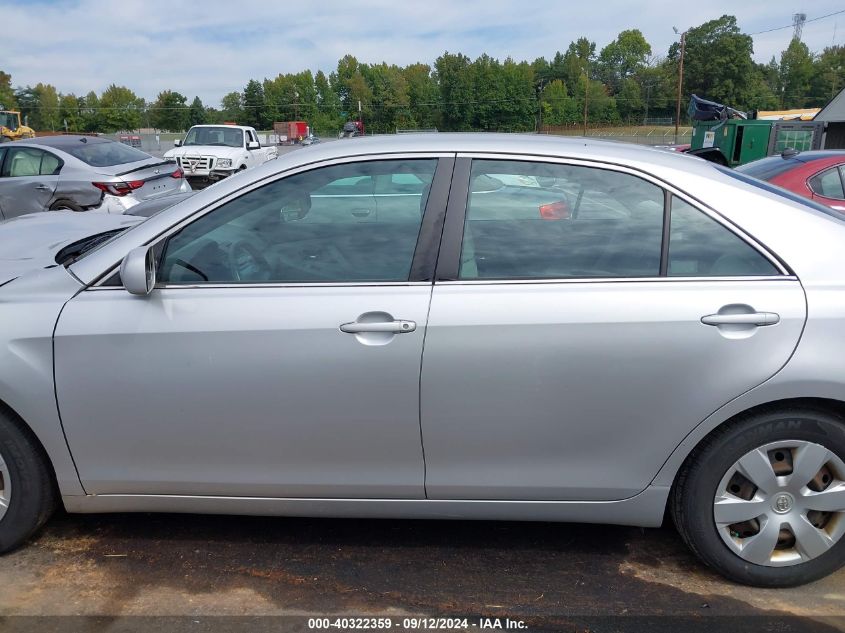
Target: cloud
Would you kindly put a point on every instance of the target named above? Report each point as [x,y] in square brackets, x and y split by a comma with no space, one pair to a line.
[214,47]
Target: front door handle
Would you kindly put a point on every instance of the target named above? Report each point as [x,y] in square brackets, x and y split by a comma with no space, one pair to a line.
[753,318]
[394,327]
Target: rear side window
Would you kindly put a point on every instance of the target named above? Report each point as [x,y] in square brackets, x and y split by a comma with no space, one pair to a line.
[828,184]
[26,161]
[105,154]
[542,220]
[701,247]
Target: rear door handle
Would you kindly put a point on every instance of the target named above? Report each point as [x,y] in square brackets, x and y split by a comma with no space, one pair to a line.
[43,188]
[753,318]
[396,327]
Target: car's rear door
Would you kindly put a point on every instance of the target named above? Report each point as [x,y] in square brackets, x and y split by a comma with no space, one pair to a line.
[569,351]
[279,355]
[28,180]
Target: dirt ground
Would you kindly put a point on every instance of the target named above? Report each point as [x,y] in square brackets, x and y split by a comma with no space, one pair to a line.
[548,575]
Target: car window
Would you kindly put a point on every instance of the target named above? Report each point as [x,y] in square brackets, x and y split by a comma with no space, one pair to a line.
[26,161]
[828,184]
[105,153]
[322,225]
[701,247]
[544,220]
[2,155]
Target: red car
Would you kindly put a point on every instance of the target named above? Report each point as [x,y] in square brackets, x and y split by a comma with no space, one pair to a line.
[818,175]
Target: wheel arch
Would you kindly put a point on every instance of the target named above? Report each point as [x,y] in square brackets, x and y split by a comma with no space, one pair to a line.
[729,414]
[15,418]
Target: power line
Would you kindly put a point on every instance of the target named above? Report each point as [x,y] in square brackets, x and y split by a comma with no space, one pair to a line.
[792,26]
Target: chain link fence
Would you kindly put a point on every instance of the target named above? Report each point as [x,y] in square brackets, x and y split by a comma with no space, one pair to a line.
[640,134]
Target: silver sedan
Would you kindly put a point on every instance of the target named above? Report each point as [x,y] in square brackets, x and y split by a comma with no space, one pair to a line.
[80,173]
[449,326]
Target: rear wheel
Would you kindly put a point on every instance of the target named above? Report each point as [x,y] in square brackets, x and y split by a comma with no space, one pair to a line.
[65,205]
[763,500]
[27,493]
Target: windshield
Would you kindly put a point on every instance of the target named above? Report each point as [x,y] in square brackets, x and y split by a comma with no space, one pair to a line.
[105,153]
[224,136]
[9,120]
[780,191]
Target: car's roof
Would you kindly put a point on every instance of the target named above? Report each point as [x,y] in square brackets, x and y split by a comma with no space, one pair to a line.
[65,140]
[475,142]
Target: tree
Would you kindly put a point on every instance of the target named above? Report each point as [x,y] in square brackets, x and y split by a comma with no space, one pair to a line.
[717,62]
[423,95]
[254,106]
[622,59]
[70,117]
[557,106]
[327,119]
[197,114]
[828,76]
[232,107]
[89,113]
[456,91]
[7,95]
[577,60]
[120,109]
[170,112]
[796,73]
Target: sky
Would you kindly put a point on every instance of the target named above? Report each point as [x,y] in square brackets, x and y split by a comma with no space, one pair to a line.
[211,47]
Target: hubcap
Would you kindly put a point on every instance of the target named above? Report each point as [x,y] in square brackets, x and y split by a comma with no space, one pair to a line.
[782,503]
[5,488]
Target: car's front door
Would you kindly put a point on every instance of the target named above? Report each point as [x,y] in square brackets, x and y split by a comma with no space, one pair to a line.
[573,343]
[278,356]
[28,179]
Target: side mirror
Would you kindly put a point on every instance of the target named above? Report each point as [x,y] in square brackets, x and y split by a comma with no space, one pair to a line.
[253,145]
[177,142]
[138,271]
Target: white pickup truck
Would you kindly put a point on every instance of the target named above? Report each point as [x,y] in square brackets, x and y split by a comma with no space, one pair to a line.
[211,152]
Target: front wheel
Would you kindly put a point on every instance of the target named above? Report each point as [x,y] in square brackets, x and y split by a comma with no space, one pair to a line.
[762,501]
[27,493]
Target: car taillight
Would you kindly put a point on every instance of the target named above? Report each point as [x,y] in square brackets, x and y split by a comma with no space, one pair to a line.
[178,173]
[119,188]
[555,211]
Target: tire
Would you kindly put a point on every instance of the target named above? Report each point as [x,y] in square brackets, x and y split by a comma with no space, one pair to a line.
[65,205]
[28,484]
[806,544]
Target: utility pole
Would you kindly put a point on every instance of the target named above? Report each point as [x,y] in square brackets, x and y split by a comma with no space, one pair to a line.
[540,107]
[586,96]
[680,83]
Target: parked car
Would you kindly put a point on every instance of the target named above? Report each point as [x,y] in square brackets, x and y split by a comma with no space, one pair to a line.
[42,240]
[371,330]
[209,153]
[81,173]
[818,175]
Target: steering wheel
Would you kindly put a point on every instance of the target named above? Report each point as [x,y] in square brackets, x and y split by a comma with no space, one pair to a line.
[246,262]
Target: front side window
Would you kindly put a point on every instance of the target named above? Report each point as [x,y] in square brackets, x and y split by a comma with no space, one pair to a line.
[324,225]
[543,220]
[25,161]
[828,184]
[701,247]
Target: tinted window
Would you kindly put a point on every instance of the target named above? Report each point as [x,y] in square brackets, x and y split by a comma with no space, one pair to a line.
[779,191]
[701,247]
[25,161]
[542,220]
[321,225]
[768,168]
[105,154]
[828,184]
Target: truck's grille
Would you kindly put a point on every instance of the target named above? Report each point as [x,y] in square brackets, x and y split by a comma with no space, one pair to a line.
[192,163]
